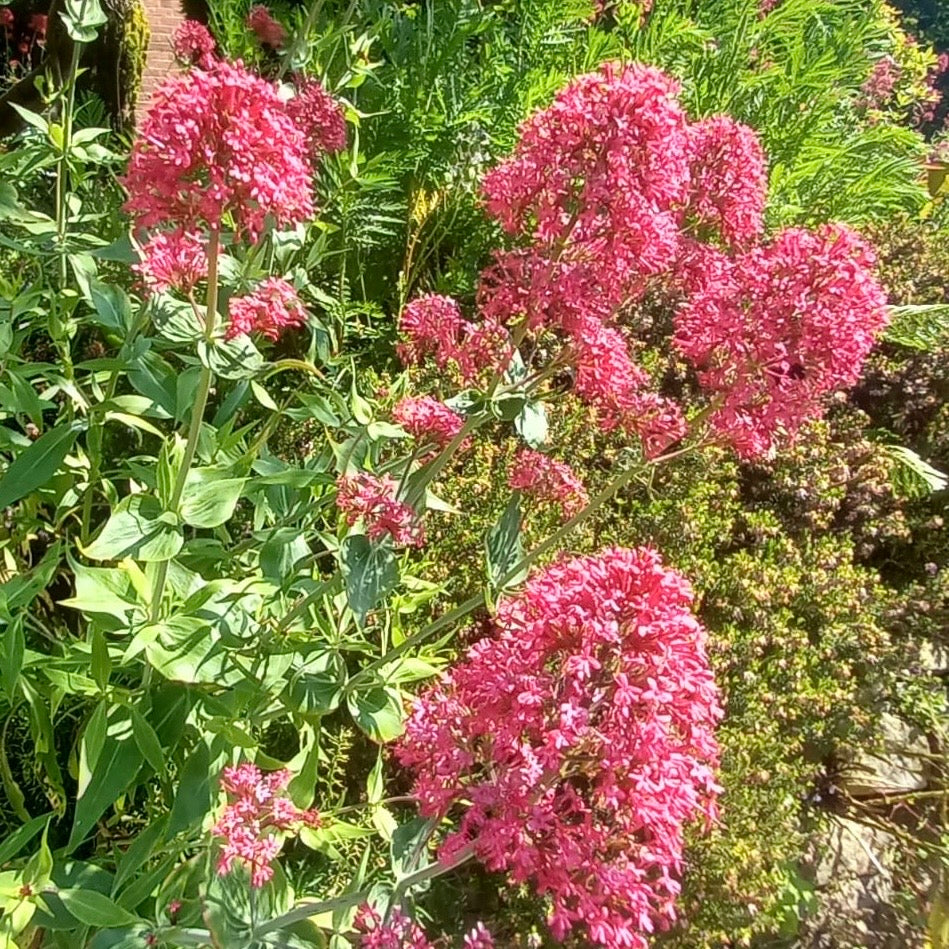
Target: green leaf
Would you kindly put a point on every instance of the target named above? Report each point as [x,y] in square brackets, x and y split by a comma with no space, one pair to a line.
[32,468]
[116,767]
[193,797]
[263,396]
[16,841]
[112,306]
[210,496]
[82,19]
[148,742]
[370,571]
[14,646]
[139,852]
[96,909]
[914,476]
[408,845]
[85,270]
[175,319]
[138,529]
[100,663]
[187,649]
[32,118]
[378,712]
[317,687]
[104,590]
[22,589]
[40,866]
[237,358]
[121,251]
[531,424]
[10,207]
[504,546]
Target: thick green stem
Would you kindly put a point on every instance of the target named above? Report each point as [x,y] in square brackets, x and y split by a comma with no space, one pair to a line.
[197,417]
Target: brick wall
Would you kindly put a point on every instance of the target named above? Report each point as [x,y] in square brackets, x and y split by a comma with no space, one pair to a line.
[164,16]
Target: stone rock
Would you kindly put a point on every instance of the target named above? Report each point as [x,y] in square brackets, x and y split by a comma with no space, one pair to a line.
[899,766]
[856,877]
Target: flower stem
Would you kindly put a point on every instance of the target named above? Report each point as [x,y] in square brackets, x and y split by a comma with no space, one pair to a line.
[197,416]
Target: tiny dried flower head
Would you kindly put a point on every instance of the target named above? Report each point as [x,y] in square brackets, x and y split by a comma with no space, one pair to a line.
[548,480]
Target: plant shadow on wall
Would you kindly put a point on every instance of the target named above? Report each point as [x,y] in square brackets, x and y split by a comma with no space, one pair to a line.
[213,648]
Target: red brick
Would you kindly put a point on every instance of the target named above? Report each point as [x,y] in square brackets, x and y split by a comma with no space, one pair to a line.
[164,17]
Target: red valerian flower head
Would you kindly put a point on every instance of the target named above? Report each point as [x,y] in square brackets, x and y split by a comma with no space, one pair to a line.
[194,45]
[373,500]
[548,480]
[257,814]
[479,937]
[428,420]
[729,182]
[878,89]
[268,30]
[216,148]
[598,178]
[399,932]
[173,260]
[271,308]
[39,23]
[582,736]
[319,115]
[6,18]
[777,329]
[434,326]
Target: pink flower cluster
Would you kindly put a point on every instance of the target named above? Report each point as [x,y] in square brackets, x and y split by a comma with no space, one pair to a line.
[172,260]
[268,31]
[774,330]
[256,815]
[433,326]
[272,307]
[216,148]
[729,182]
[548,480]
[612,193]
[319,115]
[879,87]
[373,500]
[399,932]
[428,420]
[194,45]
[582,735]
